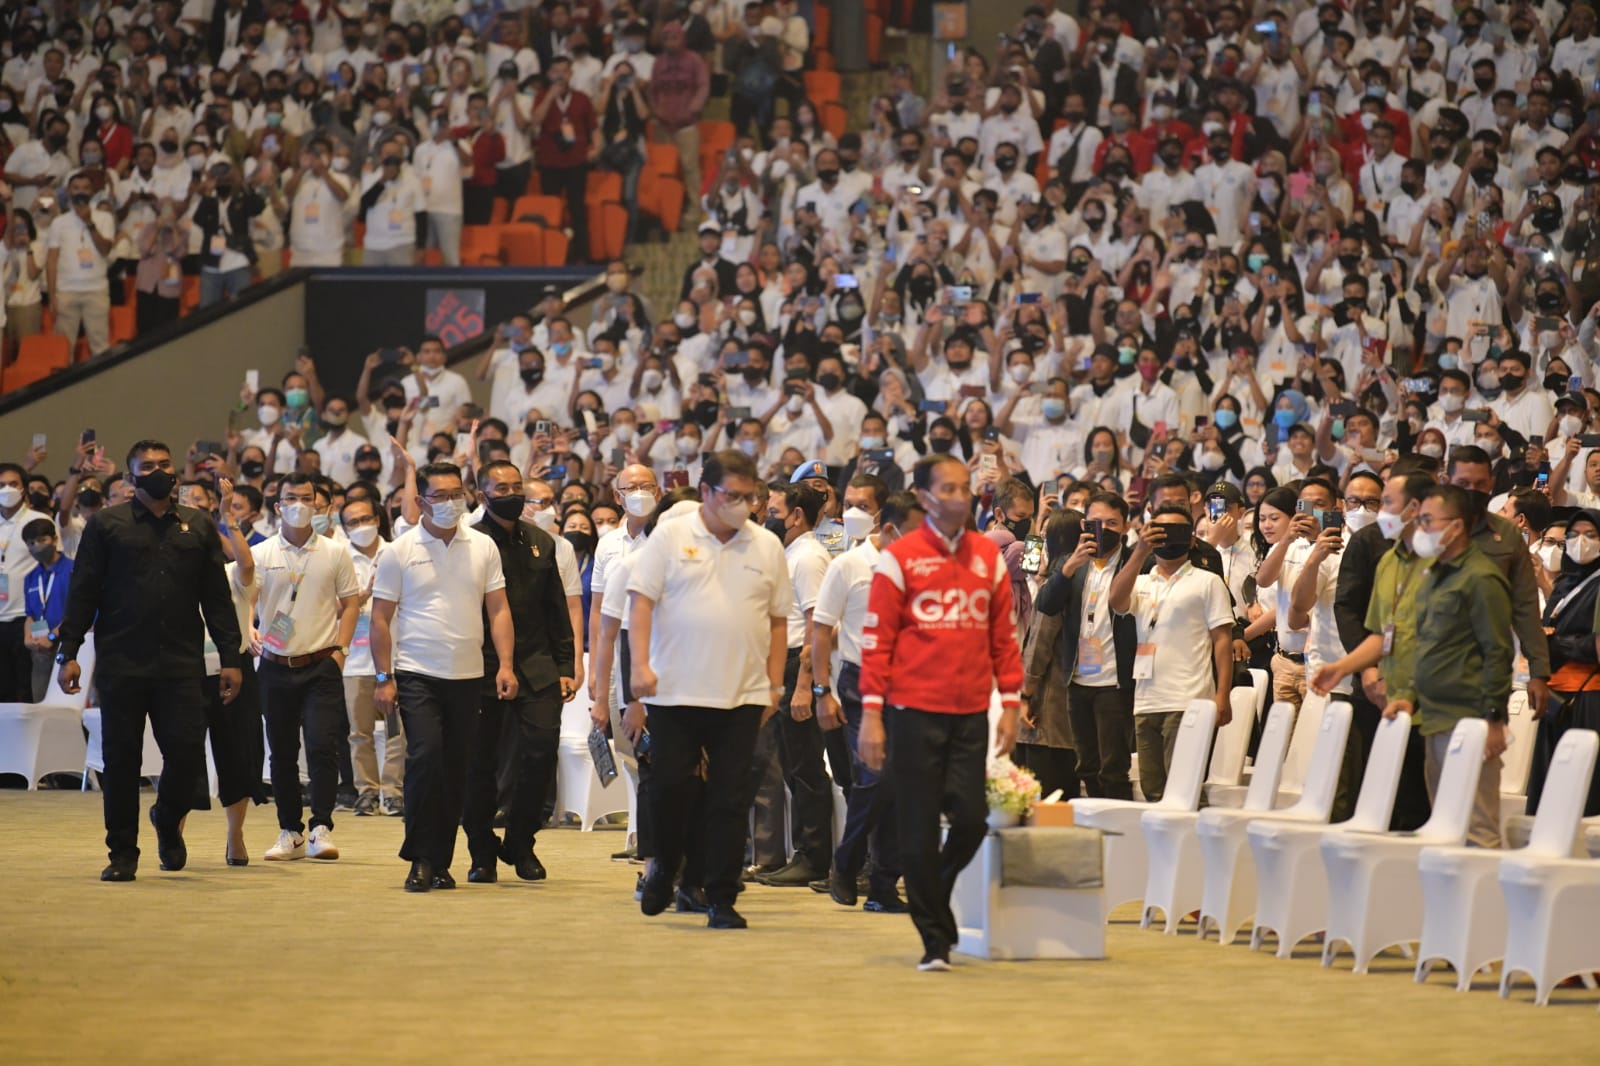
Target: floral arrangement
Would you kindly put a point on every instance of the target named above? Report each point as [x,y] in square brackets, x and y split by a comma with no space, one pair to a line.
[1010,788]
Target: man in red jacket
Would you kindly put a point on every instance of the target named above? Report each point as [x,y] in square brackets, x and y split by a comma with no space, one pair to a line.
[940,636]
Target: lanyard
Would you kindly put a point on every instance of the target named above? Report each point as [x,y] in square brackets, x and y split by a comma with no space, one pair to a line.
[44,591]
[1568,598]
[1092,593]
[295,578]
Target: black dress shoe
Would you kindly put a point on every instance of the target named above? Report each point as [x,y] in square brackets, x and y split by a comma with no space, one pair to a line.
[421,878]
[890,904]
[797,874]
[723,916]
[443,880]
[756,873]
[691,901]
[529,868]
[170,849]
[655,894]
[120,870]
[842,888]
[483,875]
[242,860]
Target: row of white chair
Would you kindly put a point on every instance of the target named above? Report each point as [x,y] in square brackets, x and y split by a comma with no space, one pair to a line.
[1358,883]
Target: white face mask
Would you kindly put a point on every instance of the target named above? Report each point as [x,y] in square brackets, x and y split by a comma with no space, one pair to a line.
[1432,449]
[639,503]
[1549,557]
[857,523]
[747,317]
[652,380]
[1571,425]
[795,405]
[1021,373]
[362,536]
[1450,402]
[431,371]
[1388,524]
[447,513]
[268,416]
[623,431]
[1359,519]
[735,514]
[683,320]
[10,496]
[295,515]
[750,446]
[543,517]
[1428,543]
[1210,461]
[688,447]
[1582,550]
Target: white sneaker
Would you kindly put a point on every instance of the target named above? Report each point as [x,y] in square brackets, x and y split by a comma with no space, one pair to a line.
[290,845]
[322,845]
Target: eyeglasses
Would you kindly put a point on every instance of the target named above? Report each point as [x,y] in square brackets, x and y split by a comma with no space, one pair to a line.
[443,497]
[1426,522]
[735,497]
[540,504]
[1363,503]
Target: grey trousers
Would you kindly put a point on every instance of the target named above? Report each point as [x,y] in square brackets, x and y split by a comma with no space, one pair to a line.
[1155,735]
[1484,829]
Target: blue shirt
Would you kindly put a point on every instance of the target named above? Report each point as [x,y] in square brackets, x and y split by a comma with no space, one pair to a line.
[45,591]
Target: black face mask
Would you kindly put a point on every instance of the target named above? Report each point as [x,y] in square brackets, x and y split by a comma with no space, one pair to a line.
[508,507]
[776,527]
[1483,175]
[158,484]
[369,473]
[531,376]
[1072,116]
[1094,222]
[1172,159]
[910,155]
[1221,155]
[1547,219]
[1005,163]
[755,375]
[705,414]
[90,498]
[1020,527]
[252,468]
[170,147]
[582,543]
[1179,538]
[80,199]
[1512,382]
[1411,189]
[828,176]
[1548,301]
[40,501]
[1349,262]
[940,445]
[1484,84]
[1440,154]
[1556,384]
[830,381]
[43,556]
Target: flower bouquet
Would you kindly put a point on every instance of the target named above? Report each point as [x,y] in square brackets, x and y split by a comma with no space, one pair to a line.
[1011,791]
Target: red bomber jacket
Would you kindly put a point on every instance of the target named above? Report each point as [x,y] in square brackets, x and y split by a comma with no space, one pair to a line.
[940,632]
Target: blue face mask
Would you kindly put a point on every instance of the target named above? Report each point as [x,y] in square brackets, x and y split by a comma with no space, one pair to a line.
[297,397]
[1337,429]
[1054,408]
[1126,356]
[562,349]
[1255,261]
[1226,418]
[1449,361]
[321,523]
[1284,417]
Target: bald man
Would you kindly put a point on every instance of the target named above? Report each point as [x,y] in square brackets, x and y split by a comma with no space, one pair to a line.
[637,493]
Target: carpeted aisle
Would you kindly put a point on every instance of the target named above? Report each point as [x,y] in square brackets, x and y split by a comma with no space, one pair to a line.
[313,962]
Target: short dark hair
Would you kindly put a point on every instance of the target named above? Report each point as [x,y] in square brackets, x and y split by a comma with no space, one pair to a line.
[1470,454]
[1366,474]
[718,465]
[39,527]
[1109,499]
[138,449]
[922,472]
[1169,481]
[1455,499]
[1318,483]
[807,499]
[251,494]
[1413,485]
[1010,491]
[296,477]
[493,464]
[877,485]
[437,469]
[897,508]
[1533,505]
[14,468]
[1173,508]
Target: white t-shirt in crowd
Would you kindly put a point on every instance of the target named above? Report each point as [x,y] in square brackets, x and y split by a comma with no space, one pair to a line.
[299,592]
[438,588]
[1177,616]
[81,267]
[842,599]
[808,561]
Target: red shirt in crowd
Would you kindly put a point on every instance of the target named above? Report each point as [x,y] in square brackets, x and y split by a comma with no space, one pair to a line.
[1142,150]
[488,148]
[566,131]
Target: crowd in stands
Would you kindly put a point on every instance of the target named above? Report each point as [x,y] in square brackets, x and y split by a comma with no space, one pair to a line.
[1295,294]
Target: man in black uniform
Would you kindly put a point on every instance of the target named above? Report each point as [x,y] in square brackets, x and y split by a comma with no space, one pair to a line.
[545,665]
[146,571]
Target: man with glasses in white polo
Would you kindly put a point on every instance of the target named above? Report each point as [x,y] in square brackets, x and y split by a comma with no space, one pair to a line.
[708,636]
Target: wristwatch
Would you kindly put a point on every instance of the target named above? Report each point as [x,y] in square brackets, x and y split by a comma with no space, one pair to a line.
[62,657]
[383,678]
[820,691]
[1499,715]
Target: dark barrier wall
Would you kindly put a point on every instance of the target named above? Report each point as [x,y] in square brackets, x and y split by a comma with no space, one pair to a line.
[180,391]
[350,313]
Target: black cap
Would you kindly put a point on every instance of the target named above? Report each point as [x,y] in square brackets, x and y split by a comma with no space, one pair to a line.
[1226,490]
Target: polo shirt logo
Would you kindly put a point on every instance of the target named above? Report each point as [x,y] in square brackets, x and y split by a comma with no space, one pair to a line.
[691,552]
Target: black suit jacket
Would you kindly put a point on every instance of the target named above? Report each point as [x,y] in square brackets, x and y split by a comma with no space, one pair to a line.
[1086,82]
[1062,595]
[545,651]
[1358,565]
[727,277]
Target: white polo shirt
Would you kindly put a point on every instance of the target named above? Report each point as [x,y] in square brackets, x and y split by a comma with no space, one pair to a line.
[842,599]
[1177,616]
[714,603]
[299,593]
[808,561]
[81,267]
[607,550]
[359,661]
[438,589]
[339,454]
[244,599]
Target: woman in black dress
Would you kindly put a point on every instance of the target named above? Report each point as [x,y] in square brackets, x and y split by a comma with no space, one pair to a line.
[1569,618]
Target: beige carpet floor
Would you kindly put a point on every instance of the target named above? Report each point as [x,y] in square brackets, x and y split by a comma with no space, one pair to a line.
[331,962]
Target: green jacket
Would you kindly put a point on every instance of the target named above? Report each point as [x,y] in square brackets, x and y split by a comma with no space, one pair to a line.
[1463,641]
[1393,602]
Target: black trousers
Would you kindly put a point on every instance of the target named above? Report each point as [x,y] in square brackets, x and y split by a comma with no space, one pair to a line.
[1056,768]
[679,736]
[308,699]
[16,662]
[768,802]
[477,204]
[440,717]
[810,789]
[869,820]
[153,310]
[571,182]
[536,717]
[1102,729]
[936,763]
[512,182]
[176,708]
[236,743]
